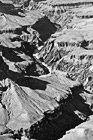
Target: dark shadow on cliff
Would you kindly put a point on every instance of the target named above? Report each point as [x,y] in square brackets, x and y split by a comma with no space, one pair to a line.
[19,78]
[77,97]
[32,82]
[28,49]
[6,73]
[45,28]
[10,54]
[55,124]
[84,44]
[9,9]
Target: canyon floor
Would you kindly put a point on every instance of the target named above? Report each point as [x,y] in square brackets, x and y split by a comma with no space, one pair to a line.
[46,70]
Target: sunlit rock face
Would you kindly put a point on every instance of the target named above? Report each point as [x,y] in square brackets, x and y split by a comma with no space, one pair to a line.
[46,69]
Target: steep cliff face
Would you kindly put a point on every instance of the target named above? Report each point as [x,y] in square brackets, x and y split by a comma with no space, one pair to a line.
[46,70]
[42,108]
[70,48]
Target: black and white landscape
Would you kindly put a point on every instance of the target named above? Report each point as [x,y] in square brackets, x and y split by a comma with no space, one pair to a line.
[46,69]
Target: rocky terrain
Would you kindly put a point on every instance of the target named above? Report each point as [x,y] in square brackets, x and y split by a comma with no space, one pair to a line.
[46,70]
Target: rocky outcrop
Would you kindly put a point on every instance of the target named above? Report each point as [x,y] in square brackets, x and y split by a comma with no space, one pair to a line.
[70,50]
[69,3]
[50,102]
[46,68]
[20,103]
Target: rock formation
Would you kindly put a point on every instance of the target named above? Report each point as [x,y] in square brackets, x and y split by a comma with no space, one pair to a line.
[46,69]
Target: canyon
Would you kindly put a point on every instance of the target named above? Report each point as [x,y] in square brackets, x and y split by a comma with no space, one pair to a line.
[46,70]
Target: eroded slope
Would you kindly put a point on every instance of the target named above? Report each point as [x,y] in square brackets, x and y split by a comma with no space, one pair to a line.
[46,70]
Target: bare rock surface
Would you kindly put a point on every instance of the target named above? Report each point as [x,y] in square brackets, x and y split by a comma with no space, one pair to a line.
[46,69]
